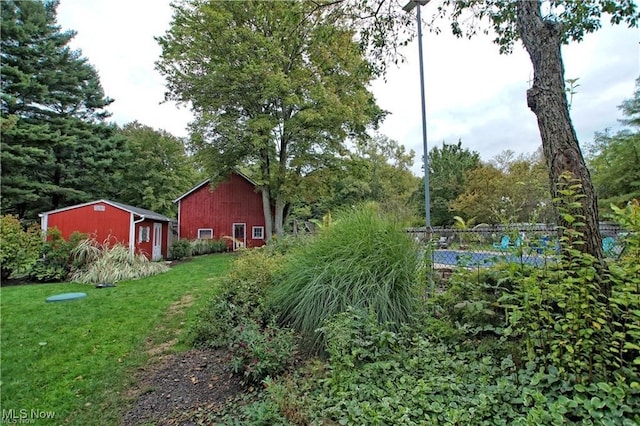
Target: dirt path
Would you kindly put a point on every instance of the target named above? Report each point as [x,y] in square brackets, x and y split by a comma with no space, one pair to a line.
[172,385]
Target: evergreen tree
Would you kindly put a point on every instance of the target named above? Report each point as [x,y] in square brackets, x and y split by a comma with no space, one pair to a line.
[57,149]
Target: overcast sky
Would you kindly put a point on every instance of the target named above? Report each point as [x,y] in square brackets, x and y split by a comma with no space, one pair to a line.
[472,92]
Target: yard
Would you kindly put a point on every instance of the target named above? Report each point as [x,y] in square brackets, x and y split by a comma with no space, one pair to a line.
[76,360]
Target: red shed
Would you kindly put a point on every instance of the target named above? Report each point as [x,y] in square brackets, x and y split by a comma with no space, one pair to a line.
[142,230]
[233,209]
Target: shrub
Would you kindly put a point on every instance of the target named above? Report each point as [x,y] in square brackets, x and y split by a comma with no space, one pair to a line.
[242,297]
[364,260]
[258,353]
[180,249]
[19,248]
[201,246]
[110,264]
[55,262]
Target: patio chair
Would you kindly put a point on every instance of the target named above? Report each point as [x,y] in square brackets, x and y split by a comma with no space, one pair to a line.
[504,243]
[443,242]
[608,246]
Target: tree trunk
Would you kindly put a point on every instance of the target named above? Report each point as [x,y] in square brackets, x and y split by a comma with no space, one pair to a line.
[268,217]
[547,99]
[279,217]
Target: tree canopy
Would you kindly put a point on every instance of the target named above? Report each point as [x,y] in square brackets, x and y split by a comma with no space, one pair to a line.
[614,159]
[56,147]
[160,172]
[278,86]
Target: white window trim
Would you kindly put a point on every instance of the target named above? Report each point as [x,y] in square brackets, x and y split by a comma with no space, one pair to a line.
[205,229]
[141,232]
[253,232]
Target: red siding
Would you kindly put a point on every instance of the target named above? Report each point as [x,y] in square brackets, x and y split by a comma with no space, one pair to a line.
[233,201]
[112,223]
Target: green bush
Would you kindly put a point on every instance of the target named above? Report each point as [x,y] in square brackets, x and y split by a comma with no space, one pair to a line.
[200,247]
[19,248]
[56,262]
[364,260]
[180,249]
[257,352]
[242,297]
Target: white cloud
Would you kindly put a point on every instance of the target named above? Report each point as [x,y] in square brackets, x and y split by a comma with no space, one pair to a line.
[472,92]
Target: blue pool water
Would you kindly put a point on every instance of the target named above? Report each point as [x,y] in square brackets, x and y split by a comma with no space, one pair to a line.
[474,258]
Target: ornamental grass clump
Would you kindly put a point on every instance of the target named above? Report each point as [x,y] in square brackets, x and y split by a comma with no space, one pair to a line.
[364,260]
[98,264]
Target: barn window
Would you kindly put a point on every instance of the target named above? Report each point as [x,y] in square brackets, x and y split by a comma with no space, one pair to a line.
[144,234]
[205,234]
[258,232]
[98,208]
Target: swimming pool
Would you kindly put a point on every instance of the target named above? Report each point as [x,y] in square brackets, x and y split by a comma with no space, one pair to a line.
[475,258]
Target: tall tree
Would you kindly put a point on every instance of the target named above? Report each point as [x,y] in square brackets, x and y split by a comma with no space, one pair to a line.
[614,159]
[448,167]
[542,35]
[160,169]
[278,85]
[56,147]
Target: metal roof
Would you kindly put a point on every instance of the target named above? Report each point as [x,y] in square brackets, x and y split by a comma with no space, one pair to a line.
[147,214]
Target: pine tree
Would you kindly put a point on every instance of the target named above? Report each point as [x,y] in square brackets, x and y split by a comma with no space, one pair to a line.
[57,148]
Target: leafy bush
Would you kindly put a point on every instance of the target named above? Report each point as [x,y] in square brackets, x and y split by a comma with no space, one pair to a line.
[365,260]
[19,248]
[258,353]
[56,262]
[180,249]
[242,297]
[102,263]
[200,247]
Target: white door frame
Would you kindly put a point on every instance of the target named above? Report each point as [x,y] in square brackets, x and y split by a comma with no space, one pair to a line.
[239,242]
[156,245]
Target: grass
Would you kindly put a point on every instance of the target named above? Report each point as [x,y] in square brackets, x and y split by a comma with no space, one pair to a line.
[76,358]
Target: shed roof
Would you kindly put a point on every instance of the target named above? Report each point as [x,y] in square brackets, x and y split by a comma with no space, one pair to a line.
[206,181]
[144,213]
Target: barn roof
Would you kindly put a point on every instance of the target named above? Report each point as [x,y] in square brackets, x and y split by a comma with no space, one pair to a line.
[206,181]
[144,213]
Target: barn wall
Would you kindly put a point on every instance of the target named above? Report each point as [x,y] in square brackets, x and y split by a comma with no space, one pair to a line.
[233,201]
[109,224]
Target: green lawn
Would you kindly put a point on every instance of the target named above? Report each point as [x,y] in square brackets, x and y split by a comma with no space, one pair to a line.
[76,358]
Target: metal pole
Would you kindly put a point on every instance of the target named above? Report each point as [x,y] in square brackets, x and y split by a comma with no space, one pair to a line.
[427,198]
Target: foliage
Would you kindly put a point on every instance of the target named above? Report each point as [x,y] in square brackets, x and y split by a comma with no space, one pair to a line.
[200,247]
[19,248]
[614,159]
[258,353]
[56,261]
[180,249]
[365,260]
[105,263]
[279,85]
[508,190]
[242,298]
[576,318]
[448,167]
[57,148]
[378,169]
[162,169]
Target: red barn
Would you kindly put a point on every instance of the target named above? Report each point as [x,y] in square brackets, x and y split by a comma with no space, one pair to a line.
[231,210]
[144,231]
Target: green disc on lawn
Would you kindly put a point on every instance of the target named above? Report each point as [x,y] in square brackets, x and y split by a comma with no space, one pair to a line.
[66,296]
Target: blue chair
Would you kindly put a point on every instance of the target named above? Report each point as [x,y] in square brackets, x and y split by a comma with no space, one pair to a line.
[504,244]
[608,245]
